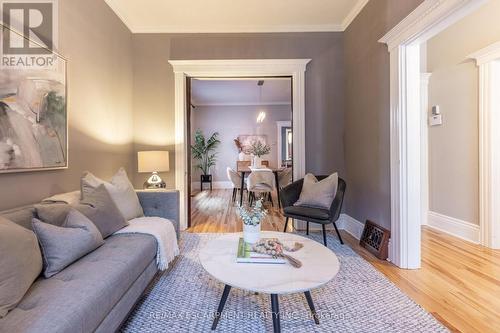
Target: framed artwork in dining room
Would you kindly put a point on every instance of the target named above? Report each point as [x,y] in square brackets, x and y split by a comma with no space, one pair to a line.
[246,141]
[33,116]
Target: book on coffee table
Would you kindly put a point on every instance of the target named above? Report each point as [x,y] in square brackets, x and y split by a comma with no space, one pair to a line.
[247,255]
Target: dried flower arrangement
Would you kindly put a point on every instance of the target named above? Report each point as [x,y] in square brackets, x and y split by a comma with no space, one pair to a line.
[259,149]
[253,216]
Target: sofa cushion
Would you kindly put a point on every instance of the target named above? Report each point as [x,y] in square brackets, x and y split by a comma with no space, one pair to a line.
[20,263]
[120,189]
[98,206]
[21,215]
[314,213]
[79,298]
[63,245]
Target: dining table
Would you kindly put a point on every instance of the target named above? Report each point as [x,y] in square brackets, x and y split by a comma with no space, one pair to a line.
[246,169]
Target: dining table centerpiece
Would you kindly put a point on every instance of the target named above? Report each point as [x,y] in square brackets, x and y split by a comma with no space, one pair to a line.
[252,218]
[259,149]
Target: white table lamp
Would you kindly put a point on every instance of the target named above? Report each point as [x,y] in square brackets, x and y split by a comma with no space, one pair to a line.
[154,162]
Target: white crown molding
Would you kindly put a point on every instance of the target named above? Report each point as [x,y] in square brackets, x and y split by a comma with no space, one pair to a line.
[137,29]
[426,17]
[358,7]
[114,7]
[238,29]
[283,103]
[487,54]
[453,226]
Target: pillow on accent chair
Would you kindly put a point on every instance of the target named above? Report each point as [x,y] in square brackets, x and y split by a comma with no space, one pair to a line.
[121,190]
[98,206]
[61,246]
[20,263]
[318,194]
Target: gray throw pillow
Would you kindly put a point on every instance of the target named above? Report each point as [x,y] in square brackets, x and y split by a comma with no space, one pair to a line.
[20,263]
[97,206]
[318,194]
[63,245]
[121,190]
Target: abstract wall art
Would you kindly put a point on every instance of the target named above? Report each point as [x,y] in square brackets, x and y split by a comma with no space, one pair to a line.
[33,119]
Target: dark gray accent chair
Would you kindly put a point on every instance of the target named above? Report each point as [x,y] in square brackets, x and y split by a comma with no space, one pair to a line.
[290,195]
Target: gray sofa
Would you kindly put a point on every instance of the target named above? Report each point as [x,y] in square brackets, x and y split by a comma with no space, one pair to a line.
[96,293]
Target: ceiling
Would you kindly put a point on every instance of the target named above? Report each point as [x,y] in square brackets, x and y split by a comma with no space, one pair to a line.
[205,92]
[211,16]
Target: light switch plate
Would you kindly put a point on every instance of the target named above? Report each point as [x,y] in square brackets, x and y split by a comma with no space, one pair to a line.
[435,120]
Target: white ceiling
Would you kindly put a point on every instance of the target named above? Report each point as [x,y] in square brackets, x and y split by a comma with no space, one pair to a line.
[240,92]
[210,16]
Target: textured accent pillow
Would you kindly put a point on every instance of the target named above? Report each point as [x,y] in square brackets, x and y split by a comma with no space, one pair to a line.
[61,246]
[121,190]
[98,206]
[318,194]
[20,263]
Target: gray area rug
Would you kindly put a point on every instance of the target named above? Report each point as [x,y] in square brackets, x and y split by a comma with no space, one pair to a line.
[358,299]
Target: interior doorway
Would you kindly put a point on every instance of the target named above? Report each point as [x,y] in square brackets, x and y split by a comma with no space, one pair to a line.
[233,120]
[295,68]
[403,42]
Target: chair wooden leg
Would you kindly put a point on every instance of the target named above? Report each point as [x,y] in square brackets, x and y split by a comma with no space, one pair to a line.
[307,229]
[338,233]
[234,194]
[286,224]
[270,199]
[324,234]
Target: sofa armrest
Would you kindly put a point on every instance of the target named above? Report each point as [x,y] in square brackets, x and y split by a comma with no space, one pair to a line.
[161,203]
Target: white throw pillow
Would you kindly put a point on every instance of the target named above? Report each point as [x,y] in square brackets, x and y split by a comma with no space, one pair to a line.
[120,189]
[318,194]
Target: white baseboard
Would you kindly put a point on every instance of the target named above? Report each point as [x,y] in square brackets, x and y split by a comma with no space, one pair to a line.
[345,222]
[351,225]
[458,228]
[218,185]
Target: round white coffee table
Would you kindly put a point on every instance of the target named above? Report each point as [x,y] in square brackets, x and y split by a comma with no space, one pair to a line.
[319,266]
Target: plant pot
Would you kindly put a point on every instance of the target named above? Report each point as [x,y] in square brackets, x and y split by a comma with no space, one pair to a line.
[257,162]
[206,178]
[251,233]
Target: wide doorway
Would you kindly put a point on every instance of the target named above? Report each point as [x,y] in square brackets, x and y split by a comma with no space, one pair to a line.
[240,130]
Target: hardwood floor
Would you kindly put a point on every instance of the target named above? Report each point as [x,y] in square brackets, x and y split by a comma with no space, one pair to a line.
[214,212]
[459,282]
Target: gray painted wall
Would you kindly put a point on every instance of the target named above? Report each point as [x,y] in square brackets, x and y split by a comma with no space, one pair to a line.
[231,121]
[98,46]
[367,110]
[154,81]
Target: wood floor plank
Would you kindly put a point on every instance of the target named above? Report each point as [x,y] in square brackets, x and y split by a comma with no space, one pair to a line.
[459,282]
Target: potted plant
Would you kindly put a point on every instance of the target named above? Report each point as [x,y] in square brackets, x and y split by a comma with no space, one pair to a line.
[259,149]
[203,151]
[252,219]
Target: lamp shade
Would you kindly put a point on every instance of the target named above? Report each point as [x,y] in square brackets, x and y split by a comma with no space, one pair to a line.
[153,161]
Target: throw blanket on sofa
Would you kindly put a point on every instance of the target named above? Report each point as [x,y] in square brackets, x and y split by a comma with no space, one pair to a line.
[164,233]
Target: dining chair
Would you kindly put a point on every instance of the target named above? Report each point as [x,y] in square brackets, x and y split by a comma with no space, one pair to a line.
[284,177]
[260,182]
[235,179]
[290,194]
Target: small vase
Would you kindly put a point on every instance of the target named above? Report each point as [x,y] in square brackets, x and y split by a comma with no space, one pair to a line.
[251,233]
[257,162]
